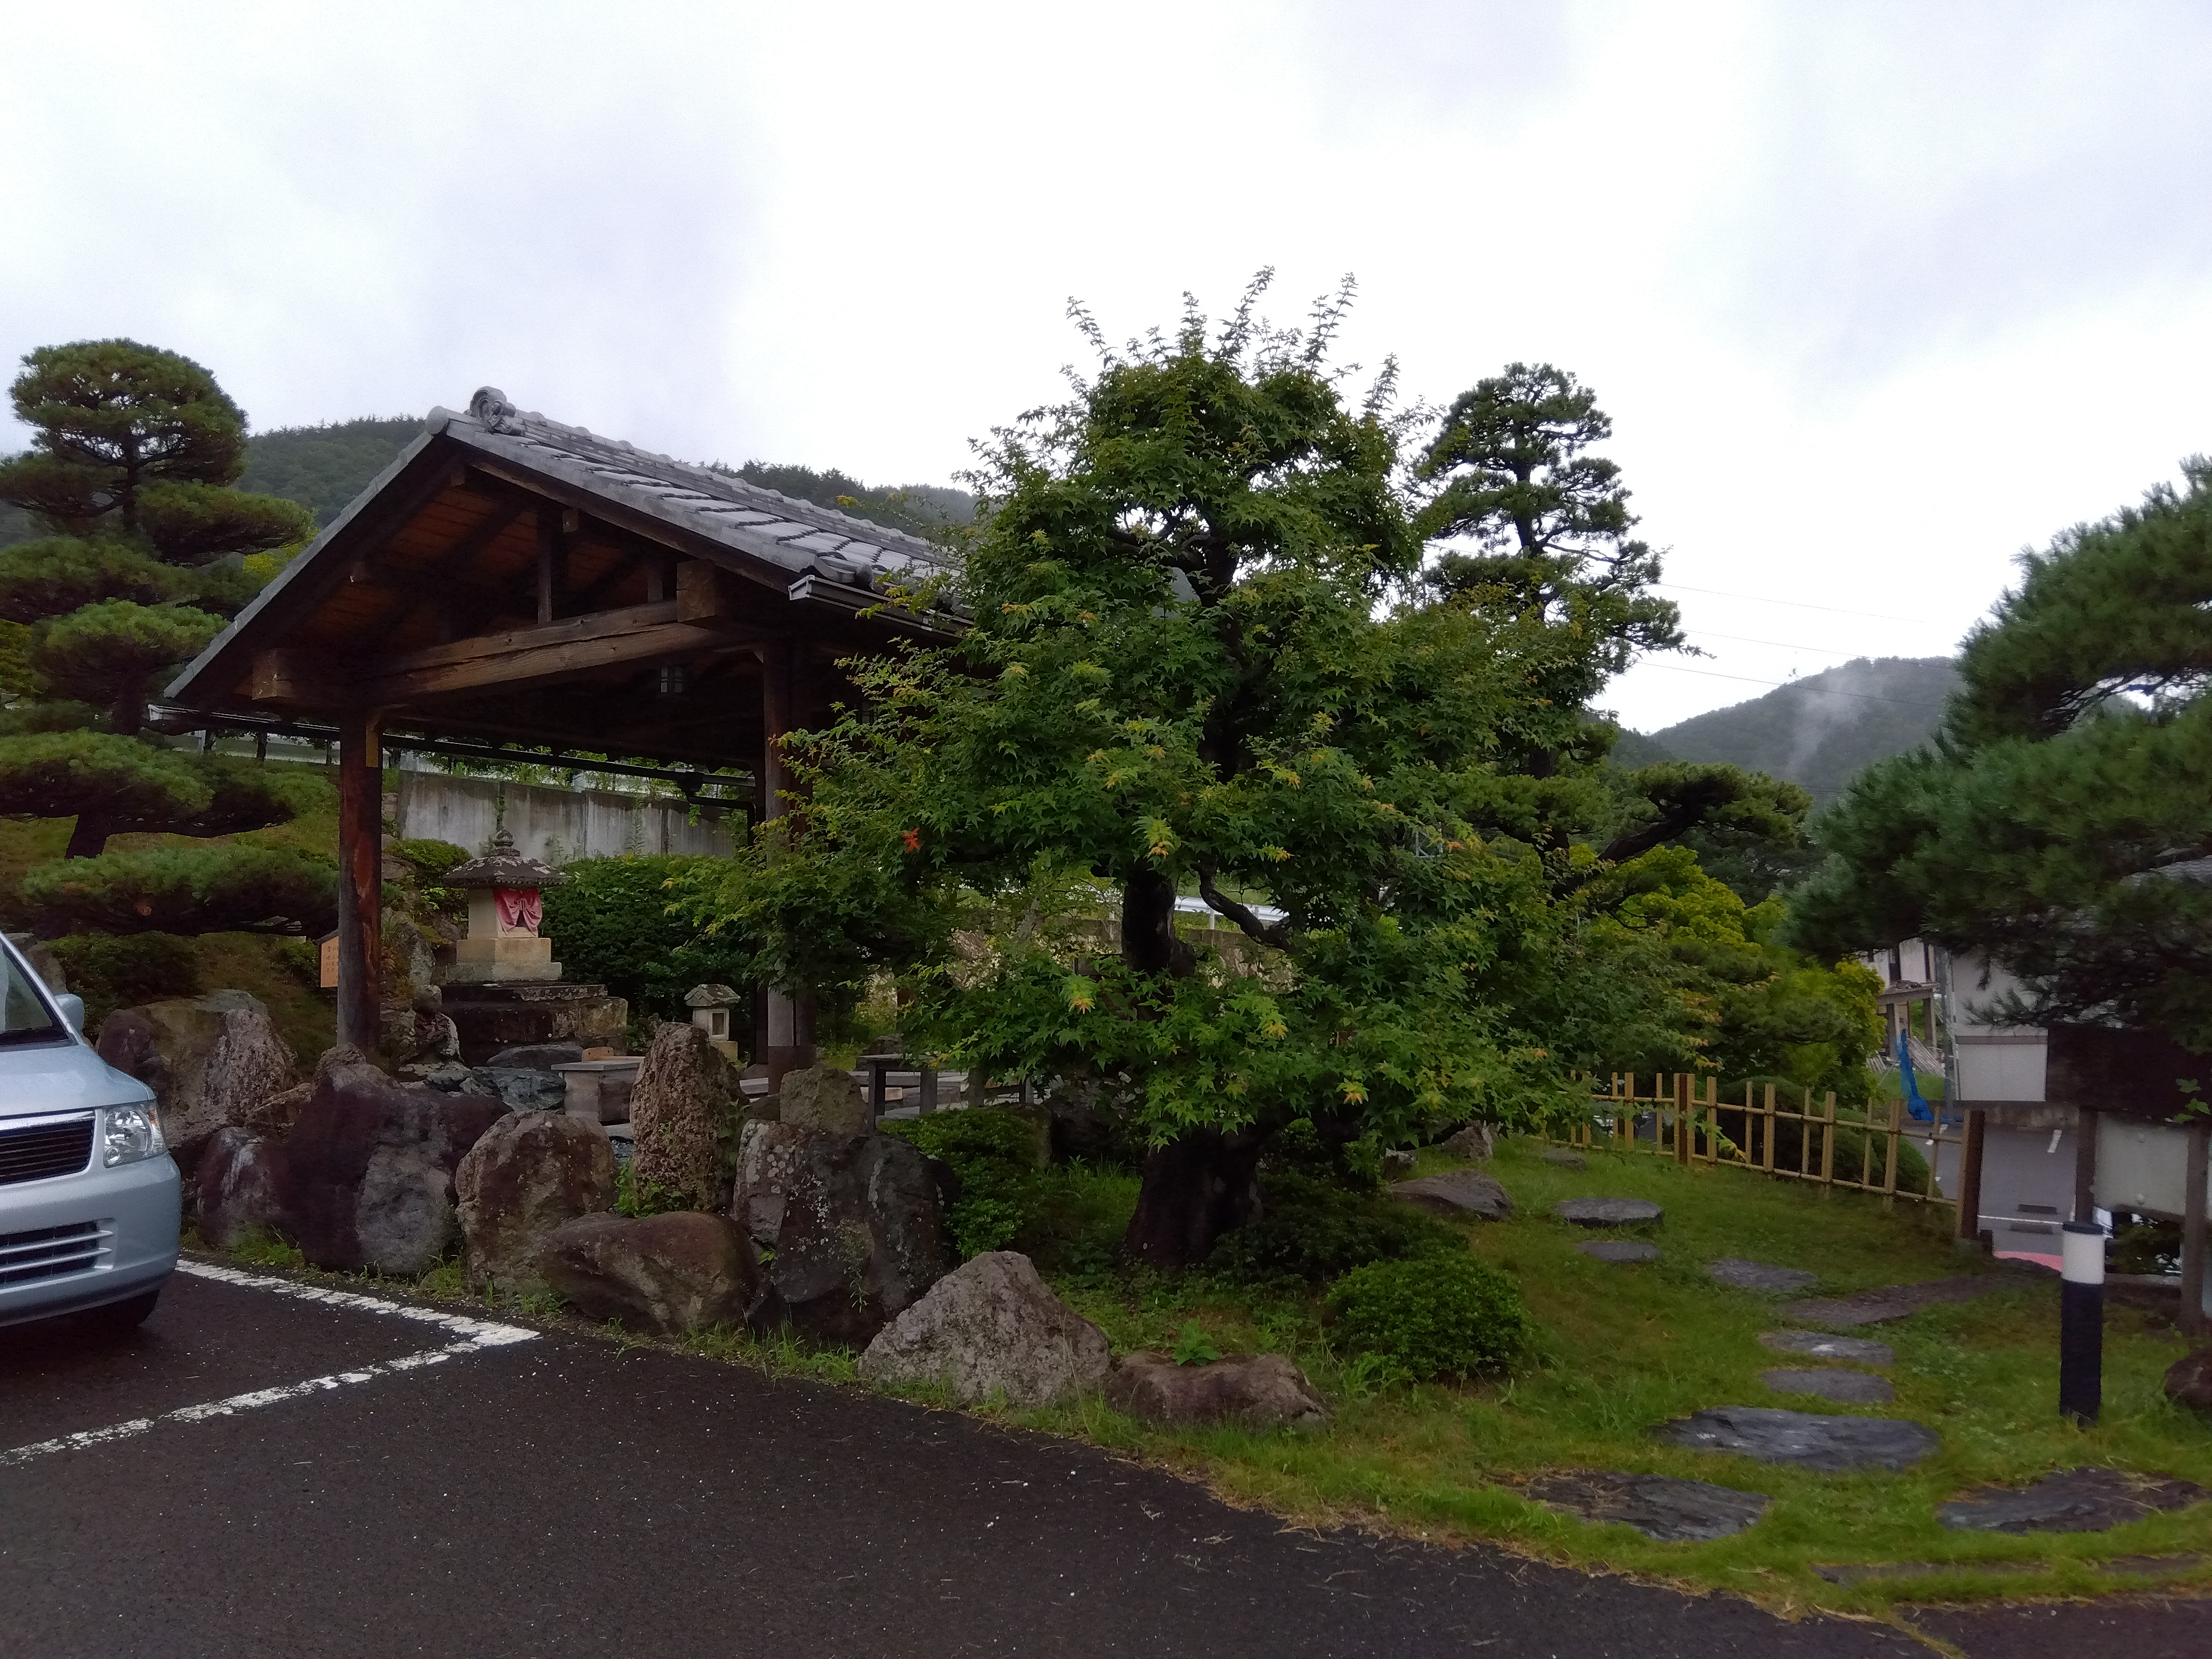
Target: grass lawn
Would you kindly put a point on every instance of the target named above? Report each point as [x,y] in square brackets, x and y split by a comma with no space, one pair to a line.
[1624,1349]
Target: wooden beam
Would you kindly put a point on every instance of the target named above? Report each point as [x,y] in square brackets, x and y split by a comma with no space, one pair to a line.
[360,881]
[637,634]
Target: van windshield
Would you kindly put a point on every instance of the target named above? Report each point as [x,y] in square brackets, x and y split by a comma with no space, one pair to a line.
[23,1014]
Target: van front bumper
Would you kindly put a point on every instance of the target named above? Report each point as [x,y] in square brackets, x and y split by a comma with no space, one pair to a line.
[94,1238]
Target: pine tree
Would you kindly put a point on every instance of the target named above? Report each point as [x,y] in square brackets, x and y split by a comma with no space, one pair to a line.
[132,454]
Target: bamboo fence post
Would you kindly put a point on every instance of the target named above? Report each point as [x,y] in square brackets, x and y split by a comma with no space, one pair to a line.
[1827,1137]
[1712,1119]
[1889,1169]
[1624,1116]
[1805,1136]
[1767,1157]
[1682,1147]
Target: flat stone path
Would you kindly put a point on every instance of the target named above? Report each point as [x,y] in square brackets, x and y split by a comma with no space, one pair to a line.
[1618,1249]
[1819,1345]
[1896,1301]
[1757,1276]
[2073,1500]
[1661,1506]
[1829,1444]
[1607,1211]
[1845,1388]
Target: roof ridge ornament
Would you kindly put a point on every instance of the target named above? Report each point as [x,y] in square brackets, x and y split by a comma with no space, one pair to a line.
[490,408]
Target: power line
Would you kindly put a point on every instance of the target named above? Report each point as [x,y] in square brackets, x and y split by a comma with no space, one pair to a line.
[1825,690]
[1800,605]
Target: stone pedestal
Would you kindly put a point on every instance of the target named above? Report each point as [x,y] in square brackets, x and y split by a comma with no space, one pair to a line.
[505,1013]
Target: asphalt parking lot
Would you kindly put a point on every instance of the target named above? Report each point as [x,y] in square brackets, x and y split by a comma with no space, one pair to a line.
[268,1469]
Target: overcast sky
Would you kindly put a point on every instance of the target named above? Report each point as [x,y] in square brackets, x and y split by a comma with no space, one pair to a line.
[1876,294]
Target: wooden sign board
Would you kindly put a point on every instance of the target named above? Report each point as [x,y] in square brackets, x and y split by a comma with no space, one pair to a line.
[326,955]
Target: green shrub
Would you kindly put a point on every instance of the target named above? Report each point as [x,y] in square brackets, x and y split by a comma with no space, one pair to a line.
[1311,1229]
[995,1156]
[610,924]
[110,972]
[1437,1317]
[429,859]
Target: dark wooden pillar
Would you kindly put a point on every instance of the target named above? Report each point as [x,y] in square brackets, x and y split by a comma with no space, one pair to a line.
[361,881]
[1970,1174]
[2193,1226]
[2085,1165]
[787,1035]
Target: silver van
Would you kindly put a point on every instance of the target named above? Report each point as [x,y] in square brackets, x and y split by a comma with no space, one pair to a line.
[89,1196]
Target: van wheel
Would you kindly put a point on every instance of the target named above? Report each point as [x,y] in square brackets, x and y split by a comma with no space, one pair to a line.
[116,1318]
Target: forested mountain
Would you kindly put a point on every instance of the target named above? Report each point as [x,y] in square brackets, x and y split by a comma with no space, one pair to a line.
[1815,732]
[324,467]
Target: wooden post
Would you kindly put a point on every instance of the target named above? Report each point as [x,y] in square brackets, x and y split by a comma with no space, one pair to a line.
[360,881]
[2193,1228]
[1767,1160]
[1827,1136]
[2085,1165]
[1970,1175]
[1681,1117]
[1889,1163]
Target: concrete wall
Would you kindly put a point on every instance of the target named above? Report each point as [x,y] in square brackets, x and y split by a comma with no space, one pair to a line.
[556,825]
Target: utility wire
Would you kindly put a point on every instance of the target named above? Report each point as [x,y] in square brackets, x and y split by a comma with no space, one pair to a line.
[1825,692]
[1800,605]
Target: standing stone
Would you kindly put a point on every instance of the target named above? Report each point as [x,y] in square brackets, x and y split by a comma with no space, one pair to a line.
[991,1327]
[1260,1391]
[371,1165]
[1475,1143]
[210,1061]
[1457,1193]
[856,1223]
[529,1174]
[238,1189]
[669,1275]
[678,1109]
[825,1098]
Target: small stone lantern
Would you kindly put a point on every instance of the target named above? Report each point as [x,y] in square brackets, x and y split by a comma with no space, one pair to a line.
[710,1006]
[506,909]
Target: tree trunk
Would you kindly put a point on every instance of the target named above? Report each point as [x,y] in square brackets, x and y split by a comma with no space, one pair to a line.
[1148,922]
[89,839]
[1195,1189]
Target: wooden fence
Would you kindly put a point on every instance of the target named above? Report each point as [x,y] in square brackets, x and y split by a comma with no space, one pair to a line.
[1684,1118]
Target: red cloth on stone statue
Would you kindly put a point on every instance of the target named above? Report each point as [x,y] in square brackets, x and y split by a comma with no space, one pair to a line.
[520,909]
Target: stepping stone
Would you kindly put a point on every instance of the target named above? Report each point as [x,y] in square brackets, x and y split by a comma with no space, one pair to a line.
[1607,1211]
[1458,1193]
[1896,1301]
[1818,1345]
[1829,1444]
[1757,1276]
[1659,1506]
[1563,1158]
[1620,1249]
[1845,1388]
[2073,1500]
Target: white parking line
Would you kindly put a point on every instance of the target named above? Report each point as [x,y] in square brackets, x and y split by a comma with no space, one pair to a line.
[475,1335]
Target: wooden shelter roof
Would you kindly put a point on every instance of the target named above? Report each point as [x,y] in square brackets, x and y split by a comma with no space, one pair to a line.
[513,579]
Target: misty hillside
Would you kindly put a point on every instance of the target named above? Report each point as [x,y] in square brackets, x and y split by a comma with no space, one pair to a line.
[1815,732]
[324,467]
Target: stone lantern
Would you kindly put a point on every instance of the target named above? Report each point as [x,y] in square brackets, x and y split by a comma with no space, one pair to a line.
[505,909]
[710,1006]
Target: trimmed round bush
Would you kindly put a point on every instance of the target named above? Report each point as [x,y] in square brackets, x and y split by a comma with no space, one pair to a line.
[1432,1317]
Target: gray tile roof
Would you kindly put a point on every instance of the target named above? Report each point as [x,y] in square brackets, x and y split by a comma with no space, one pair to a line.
[805,539]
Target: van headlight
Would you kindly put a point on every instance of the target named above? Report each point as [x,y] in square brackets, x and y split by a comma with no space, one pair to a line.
[133,1132]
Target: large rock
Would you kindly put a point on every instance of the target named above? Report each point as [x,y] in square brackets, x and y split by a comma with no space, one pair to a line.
[528,1174]
[668,1274]
[1829,1444]
[210,1061]
[1457,1192]
[991,1327]
[1260,1391]
[856,1221]
[679,1109]
[238,1188]
[371,1165]
[822,1097]
[413,1040]
[536,1056]
[2189,1380]
[523,1088]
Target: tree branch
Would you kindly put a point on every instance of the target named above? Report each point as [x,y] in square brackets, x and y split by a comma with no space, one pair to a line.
[1242,915]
